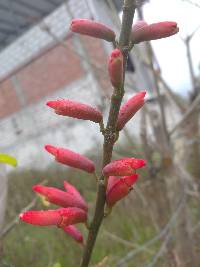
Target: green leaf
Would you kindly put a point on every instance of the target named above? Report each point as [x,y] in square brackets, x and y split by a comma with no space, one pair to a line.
[4,158]
[57,264]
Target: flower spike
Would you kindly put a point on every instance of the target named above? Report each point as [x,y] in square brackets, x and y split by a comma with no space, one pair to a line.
[92,29]
[115,68]
[120,189]
[141,31]
[75,109]
[70,158]
[128,110]
[124,166]
[60,198]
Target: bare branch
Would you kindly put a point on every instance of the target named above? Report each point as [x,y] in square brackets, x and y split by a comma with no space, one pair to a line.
[13,223]
[125,242]
[161,251]
[166,86]
[192,3]
[190,110]
[163,233]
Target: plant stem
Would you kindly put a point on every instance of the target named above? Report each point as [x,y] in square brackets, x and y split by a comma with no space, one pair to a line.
[110,133]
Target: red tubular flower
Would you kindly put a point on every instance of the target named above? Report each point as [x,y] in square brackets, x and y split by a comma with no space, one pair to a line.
[74,192]
[124,166]
[61,217]
[128,110]
[70,158]
[59,197]
[93,29]
[115,68]
[120,189]
[141,31]
[74,233]
[41,218]
[75,109]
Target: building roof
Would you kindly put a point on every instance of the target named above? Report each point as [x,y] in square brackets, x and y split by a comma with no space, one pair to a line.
[17,16]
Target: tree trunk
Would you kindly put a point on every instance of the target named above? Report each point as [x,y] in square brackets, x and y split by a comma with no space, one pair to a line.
[192,144]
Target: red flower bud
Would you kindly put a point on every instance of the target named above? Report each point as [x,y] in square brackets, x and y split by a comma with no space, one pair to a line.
[93,29]
[74,233]
[115,68]
[139,25]
[59,197]
[124,166]
[72,216]
[120,189]
[141,31]
[74,192]
[60,217]
[41,217]
[111,182]
[76,110]
[128,110]
[70,158]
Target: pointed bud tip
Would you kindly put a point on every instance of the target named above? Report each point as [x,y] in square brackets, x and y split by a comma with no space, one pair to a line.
[141,94]
[141,163]
[51,149]
[21,216]
[52,104]
[37,188]
[171,23]
[116,53]
[138,163]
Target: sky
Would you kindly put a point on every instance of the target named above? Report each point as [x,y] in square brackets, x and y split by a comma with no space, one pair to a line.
[171,52]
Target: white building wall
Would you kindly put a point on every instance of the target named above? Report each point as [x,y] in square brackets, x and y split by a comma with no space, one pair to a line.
[37,124]
[35,40]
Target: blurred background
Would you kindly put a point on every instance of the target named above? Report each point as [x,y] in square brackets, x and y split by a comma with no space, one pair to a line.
[158,224]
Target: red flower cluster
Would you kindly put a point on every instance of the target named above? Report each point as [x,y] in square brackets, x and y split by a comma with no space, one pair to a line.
[74,210]
[118,188]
